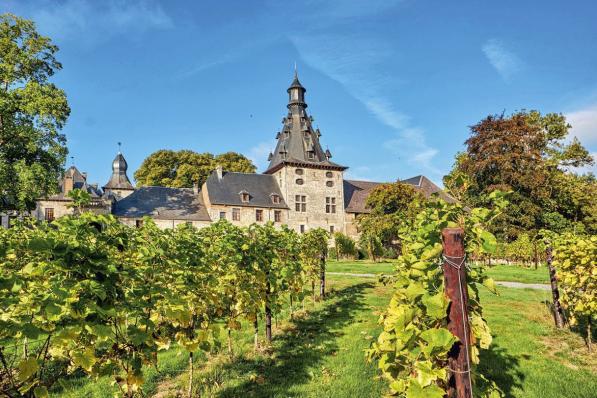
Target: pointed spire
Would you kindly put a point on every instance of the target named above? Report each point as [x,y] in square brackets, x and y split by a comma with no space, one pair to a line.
[119,179]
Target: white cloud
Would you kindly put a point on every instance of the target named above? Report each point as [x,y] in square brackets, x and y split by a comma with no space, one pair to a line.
[505,62]
[584,124]
[258,154]
[93,21]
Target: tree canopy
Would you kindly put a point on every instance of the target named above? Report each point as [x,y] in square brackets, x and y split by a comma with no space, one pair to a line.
[32,113]
[183,168]
[529,154]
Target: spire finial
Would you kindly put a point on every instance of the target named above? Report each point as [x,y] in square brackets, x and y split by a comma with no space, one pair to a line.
[295,71]
[119,144]
[72,160]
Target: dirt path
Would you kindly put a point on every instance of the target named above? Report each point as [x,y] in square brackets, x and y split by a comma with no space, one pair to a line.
[516,285]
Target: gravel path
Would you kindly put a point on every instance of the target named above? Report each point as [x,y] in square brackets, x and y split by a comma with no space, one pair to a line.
[517,285]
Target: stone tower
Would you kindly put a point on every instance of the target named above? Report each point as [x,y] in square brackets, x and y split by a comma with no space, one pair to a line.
[311,183]
[119,186]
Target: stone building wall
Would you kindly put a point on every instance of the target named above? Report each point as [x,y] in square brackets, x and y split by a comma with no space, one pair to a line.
[61,208]
[163,224]
[315,189]
[247,214]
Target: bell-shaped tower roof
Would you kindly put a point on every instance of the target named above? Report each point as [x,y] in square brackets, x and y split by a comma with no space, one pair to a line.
[298,142]
[119,179]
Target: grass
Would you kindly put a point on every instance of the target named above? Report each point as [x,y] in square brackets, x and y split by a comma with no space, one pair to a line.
[529,357]
[320,352]
[514,273]
[360,267]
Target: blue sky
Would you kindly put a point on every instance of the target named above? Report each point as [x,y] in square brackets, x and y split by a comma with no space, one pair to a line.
[392,85]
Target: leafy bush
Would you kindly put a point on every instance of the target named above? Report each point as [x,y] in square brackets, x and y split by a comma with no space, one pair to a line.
[345,246]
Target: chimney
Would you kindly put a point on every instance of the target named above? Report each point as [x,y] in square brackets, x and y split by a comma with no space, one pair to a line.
[68,184]
[219,172]
[196,187]
[84,174]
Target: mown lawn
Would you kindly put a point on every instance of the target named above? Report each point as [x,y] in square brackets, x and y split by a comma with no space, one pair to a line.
[320,352]
[514,273]
[510,273]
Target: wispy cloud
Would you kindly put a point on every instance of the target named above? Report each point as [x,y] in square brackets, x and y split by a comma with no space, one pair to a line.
[355,62]
[505,62]
[93,21]
[584,124]
[258,154]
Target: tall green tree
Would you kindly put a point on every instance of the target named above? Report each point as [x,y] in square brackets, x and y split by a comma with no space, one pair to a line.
[32,113]
[526,153]
[185,167]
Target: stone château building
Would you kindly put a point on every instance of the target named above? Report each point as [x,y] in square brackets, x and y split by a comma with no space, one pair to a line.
[302,187]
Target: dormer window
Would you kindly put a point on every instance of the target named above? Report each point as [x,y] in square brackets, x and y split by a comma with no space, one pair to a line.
[275,199]
[311,155]
[244,196]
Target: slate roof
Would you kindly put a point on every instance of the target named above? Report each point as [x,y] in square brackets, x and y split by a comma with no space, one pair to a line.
[357,192]
[163,203]
[298,142]
[119,179]
[79,182]
[226,191]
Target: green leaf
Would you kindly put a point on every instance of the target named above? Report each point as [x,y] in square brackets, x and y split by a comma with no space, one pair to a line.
[414,290]
[40,392]
[85,359]
[415,390]
[488,242]
[27,368]
[490,284]
[438,340]
[435,305]
[427,373]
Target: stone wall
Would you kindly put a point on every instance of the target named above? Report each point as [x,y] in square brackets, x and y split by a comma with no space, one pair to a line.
[61,208]
[315,189]
[247,214]
[163,224]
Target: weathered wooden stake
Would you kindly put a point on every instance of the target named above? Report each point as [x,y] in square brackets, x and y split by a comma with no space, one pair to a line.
[322,278]
[268,313]
[460,383]
[558,313]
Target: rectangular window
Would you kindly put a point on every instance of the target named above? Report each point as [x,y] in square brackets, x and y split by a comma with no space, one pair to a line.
[235,214]
[330,205]
[302,229]
[278,215]
[138,223]
[301,203]
[222,215]
[258,215]
[49,214]
[331,229]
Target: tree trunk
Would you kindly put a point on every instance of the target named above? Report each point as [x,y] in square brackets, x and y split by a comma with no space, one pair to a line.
[268,314]
[558,313]
[589,335]
[313,290]
[256,328]
[190,388]
[229,343]
[322,278]
[291,307]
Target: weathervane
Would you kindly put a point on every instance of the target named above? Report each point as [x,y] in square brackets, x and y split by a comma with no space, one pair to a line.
[119,144]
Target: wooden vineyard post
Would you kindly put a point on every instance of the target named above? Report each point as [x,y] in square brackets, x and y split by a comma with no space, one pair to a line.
[322,277]
[558,314]
[459,363]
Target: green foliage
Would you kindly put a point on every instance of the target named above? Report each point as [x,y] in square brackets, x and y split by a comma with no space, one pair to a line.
[345,246]
[575,259]
[529,154]
[90,294]
[185,167]
[411,351]
[81,199]
[32,113]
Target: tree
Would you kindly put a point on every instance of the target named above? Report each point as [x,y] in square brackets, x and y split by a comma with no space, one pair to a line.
[392,206]
[185,167]
[81,199]
[32,113]
[525,153]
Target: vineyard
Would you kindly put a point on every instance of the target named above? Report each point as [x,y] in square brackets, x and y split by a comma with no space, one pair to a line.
[87,297]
